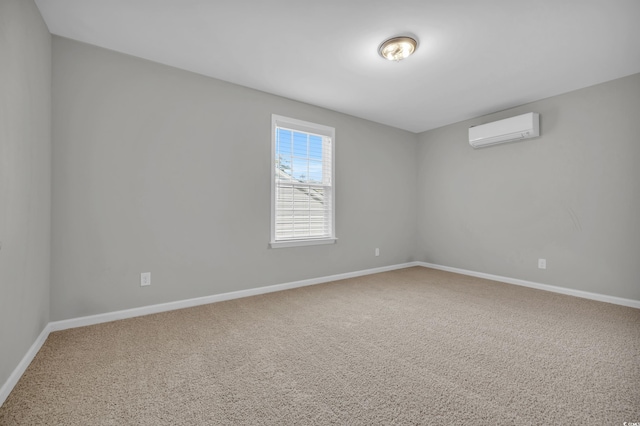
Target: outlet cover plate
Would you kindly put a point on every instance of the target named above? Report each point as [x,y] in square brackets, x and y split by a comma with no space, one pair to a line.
[145,279]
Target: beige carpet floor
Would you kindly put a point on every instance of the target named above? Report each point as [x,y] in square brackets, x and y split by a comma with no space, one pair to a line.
[413,346]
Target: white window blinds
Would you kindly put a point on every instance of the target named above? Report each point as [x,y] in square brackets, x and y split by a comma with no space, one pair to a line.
[302,187]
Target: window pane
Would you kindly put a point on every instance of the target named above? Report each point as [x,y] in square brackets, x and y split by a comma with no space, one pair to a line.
[300,145]
[315,147]
[315,171]
[283,142]
[284,197]
[283,154]
[300,169]
[283,167]
[301,199]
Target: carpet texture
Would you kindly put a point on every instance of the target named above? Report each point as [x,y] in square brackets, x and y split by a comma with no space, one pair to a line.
[413,346]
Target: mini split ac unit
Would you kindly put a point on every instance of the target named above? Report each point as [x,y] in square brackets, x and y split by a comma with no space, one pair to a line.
[516,128]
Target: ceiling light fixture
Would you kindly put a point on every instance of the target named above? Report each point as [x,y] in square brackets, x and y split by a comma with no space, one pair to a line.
[397,48]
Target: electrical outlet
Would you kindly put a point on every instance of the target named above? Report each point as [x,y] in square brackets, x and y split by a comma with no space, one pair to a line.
[542,263]
[145,279]
[377,252]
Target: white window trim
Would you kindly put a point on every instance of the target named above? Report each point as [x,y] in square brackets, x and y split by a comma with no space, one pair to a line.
[307,127]
[301,243]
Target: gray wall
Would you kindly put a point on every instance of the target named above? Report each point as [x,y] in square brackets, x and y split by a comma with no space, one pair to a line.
[572,196]
[25,179]
[157,169]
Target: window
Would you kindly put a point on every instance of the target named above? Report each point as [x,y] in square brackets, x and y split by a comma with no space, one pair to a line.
[302,191]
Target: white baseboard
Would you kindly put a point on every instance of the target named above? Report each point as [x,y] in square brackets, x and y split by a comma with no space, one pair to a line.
[8,386]
[563,290]
[188,303]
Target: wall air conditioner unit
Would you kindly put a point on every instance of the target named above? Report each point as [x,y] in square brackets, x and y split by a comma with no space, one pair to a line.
[516,128]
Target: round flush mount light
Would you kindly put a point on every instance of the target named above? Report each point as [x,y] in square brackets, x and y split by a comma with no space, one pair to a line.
[397,48]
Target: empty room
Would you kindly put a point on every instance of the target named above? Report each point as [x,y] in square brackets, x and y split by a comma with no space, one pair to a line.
[306,213]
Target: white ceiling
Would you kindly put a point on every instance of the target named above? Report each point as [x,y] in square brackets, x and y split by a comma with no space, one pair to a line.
[475,56]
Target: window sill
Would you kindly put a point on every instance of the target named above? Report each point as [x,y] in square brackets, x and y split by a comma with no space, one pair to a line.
[300,243]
